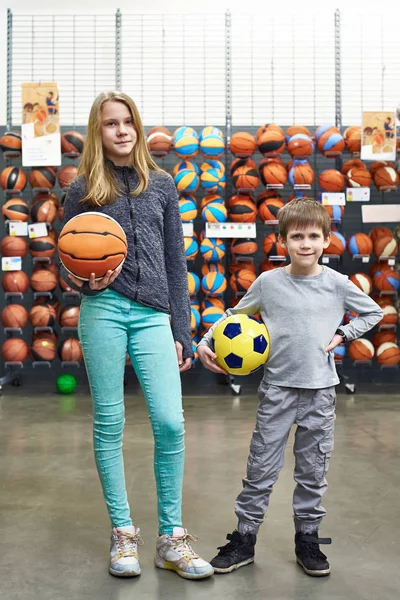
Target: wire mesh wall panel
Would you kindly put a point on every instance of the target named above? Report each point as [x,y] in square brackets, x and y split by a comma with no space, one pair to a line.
[76,51]
[173,66]
[283,69]
[370,66]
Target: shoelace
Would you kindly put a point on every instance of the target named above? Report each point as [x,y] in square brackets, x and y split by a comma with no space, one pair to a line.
[311,546]
[182,545]
[127,542]
[232,545]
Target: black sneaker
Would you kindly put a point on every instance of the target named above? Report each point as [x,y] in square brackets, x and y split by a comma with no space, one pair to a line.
[238,552]
[309,556]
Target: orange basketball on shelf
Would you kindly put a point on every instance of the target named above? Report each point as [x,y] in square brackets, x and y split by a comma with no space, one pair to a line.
[15,281]
[244,211]
[272,246]
[274,173]
[352,163]
[268,127]
[244,246]
[11,141]
[363,282]
[301,173]
[390,315]
[14,315]
[241,280]
[159,140]
[44,210]
[378,164]
[388,354]
[239,198]
[245,178]
[13,246]
[382,337]
[70,350]
[43,281]
[14,350]
[42,247]
[333,210]
[268,210]
[242,143]
[300,145]
[331,142]
[72,142]
[354,143]
[43,350]
[361,349]
[269,265]
[42,315]
[337,244]
[271,142]
[385,247]
[242,162]
[69,315]
[268,195]
[53,301]
[66,175]
[13,178]
[358,177]
[359,243]
[380,231]
[42,177]
[295,129]
[351,131]
[243,264]
[331,180]
[385,177]
[15,209]
[386,280]
[92,242]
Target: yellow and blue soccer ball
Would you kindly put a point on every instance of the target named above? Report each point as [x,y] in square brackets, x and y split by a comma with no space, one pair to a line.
[241,343]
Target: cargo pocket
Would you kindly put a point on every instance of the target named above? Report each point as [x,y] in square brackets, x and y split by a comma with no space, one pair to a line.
[324,453]
[254,463]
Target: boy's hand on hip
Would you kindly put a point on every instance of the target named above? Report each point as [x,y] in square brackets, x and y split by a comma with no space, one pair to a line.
[184,365]
[335,341]
[207,357]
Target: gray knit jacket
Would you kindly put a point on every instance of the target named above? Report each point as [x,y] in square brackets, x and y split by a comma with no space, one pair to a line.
[154,272]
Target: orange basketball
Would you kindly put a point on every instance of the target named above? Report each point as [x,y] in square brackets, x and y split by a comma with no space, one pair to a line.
[359,243]
[390,315]
[385,247]
[242,143]
[382,337]
[354,143]
[268,127]
[388,354]
[242,162]
[272,246]
[301,173]
[14,315]
[363,282]
[239,198]
[70,350]
[13,246]
[244,211]
[13,178]
[66,175]
[385,177]
[42,315]
[351,131]
[243,264]
[15,209]
[69,315]
[274,173]
[268,210]
[386,280]
[15,281]
[244,246]
[337,244]
[43,350]
[245,178]
[14,350]
[268,195]
[379,163]
[331,142]
[241,280]
[42,177]
[330,211]
[361,349]
[331,180]
[92,242]
[11,141]
[159,140]
[72,142]
[379,231]
[300,145]
[271,142]
[358,177]
[44,210]
[295,129]
[43,281]
[43,247]
[352,163]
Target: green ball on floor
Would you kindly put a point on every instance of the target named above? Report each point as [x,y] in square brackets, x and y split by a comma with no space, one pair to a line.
[66,384]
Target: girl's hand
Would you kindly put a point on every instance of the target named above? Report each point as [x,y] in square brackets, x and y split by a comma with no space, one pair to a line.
[335,341]
[102,283]
[208,357]
[184,365]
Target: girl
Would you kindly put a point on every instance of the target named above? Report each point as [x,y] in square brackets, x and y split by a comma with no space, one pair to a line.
[129,311]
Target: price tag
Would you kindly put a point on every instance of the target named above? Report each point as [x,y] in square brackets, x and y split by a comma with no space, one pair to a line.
[17,228]
[187,229]
[325,260]
[365,259]
[37,230]
[11,263]
[333,199]
[361,194]
[231,230]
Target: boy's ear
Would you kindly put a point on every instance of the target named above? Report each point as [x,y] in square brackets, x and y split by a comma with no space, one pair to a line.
[327,240]
[282,241]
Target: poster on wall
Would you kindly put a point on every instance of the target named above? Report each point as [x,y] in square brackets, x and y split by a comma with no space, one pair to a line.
[41,138]
[378,136]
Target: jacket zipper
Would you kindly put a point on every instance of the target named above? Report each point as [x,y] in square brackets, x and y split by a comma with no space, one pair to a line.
[126,181]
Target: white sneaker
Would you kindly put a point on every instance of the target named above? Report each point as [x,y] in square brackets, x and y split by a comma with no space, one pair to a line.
[175,553]
[124,558]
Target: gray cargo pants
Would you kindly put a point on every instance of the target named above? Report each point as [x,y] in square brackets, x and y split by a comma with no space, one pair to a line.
[279,408]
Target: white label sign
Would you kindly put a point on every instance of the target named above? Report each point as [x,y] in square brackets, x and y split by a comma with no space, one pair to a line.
[361,194]
[187,229]
[231,230]
[17,228]
[37,230]
[333,199]
[11,263]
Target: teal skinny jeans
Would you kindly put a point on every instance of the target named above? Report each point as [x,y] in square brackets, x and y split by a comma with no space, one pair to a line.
[111,325]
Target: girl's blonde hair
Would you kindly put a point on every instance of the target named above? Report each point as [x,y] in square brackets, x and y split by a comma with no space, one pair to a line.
[102,186]
[301,213]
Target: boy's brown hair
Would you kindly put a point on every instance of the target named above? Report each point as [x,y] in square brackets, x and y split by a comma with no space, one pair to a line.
[301,213]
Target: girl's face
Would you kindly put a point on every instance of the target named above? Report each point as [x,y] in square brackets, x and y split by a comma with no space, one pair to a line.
[118,133]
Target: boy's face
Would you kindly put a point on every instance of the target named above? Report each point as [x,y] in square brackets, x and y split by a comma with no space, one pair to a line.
[305,246]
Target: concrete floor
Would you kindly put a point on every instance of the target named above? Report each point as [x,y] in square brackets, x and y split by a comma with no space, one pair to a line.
[55,531]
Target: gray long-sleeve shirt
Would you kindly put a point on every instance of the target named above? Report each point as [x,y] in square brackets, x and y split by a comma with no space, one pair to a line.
[302,314]
[154,272]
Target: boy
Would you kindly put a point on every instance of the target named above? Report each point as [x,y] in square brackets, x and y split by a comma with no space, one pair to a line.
[302,305]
